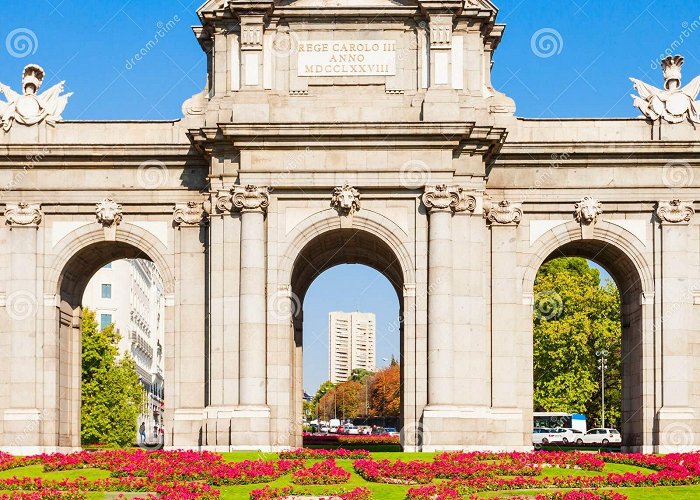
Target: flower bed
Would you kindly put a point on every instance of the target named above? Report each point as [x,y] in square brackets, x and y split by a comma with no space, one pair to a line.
[311,454]
[268,493]
[395,472]
[353,440]
[326,472]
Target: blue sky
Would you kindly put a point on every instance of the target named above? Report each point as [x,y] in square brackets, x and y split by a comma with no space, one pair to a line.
[593,47]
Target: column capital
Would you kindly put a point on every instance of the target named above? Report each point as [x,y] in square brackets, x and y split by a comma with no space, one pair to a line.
[443,198]
[504,213]
[23,214]
[675,212]
[191,213]
[250,199]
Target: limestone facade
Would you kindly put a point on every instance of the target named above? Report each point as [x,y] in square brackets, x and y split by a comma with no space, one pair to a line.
[242,203]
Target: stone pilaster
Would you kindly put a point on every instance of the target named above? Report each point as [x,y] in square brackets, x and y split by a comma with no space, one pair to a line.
[677,301]
[22,301]
[507,384]
[441,202]
[186,310]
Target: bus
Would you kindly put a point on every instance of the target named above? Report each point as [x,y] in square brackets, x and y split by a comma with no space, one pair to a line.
[551,420]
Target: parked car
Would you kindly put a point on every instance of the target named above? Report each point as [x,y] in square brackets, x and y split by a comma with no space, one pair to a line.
[391,431]
[568,436]
[365,430]
[600,436]
[324,428]
[542,435]
[350,429]
[379,430]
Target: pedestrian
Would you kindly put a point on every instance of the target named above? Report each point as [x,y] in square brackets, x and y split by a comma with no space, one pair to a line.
[142,432]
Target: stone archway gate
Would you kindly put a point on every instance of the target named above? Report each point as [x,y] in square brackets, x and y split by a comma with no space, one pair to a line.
[309,110]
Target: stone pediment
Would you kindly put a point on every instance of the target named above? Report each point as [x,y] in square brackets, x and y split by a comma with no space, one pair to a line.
[213,6]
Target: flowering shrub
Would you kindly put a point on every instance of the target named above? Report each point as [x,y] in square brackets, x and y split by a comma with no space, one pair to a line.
[339,454]
[398,472]
[326,472]
[268,493]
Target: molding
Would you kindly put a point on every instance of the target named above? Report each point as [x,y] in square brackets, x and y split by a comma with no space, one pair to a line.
[23,214]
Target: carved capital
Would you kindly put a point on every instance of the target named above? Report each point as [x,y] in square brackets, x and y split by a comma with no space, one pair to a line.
[448,198]
[223,202]
[191,213]
[346,200]
[675,211]
[504,213]
[23,215]
[588,210]
[252,32]
[250,198]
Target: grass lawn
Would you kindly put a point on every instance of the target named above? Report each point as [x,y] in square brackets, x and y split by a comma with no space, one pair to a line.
[381,491]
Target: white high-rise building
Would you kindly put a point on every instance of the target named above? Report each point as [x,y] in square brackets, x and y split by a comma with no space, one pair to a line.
[352,344]
[129,293]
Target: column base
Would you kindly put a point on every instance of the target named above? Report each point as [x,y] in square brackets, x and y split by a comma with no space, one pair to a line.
[678,431]
[459,428]
[237,428]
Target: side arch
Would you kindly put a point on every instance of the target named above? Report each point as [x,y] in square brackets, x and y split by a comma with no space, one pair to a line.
[611,246]
[624,256]
[131,242]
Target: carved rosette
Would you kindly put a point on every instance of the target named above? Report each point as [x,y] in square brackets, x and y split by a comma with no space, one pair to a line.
[346,200]
[444,198]
[109,213]
[190,214]
[675,211]
[249,199]
[588,210]
[23,215]
[505,213]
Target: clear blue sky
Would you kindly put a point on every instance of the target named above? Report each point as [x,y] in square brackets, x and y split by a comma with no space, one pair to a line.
[598,44]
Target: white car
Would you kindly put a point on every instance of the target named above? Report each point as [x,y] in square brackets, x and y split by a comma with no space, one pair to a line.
[541,435]
[568,436]
[601,436]
[351,429]
[324,428]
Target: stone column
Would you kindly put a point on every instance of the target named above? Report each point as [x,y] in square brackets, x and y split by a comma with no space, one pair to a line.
[441,202]
[252,202]
[675,414]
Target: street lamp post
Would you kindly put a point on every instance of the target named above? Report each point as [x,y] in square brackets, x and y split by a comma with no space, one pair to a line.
[602,366]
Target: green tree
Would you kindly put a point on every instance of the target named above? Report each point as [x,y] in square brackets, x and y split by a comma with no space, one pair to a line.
[360,374]
[574,317]
[111,392]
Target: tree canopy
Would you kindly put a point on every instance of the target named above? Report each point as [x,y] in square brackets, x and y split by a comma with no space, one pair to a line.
[111,392]
[574,317]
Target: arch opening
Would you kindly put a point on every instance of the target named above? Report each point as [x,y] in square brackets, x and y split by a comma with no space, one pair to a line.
[626,325]
[332,252]
[118,269]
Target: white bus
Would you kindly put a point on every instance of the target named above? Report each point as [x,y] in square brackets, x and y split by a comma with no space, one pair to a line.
[550,420]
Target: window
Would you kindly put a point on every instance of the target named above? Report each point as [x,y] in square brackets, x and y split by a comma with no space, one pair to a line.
[105,320]
[106,291]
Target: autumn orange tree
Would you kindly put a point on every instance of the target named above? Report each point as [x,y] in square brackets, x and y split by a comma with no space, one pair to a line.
[343,401]
[385,392]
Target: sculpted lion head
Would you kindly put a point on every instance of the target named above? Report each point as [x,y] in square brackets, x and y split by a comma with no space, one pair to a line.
[346,199]
[588,210]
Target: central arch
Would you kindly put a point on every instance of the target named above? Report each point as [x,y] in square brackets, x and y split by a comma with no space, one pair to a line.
[365,243]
